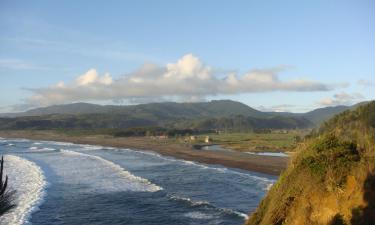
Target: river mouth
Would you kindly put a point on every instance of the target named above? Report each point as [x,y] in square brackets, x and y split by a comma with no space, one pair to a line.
[223,149]
[276,154]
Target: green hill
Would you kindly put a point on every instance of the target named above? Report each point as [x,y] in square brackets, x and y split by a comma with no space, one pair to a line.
[331,180]
[163,109]
[220,114]
[223,114]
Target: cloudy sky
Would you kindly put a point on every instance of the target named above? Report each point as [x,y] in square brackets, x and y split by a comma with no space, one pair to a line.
[272,55]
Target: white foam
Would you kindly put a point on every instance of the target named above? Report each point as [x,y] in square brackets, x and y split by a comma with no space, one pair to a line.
[231,211]
[28,180]
[107,176]
[189,201]
[268,187]
[33,148]
[48,149]
[198,215]
[225,170]
[202,166]
[200,203]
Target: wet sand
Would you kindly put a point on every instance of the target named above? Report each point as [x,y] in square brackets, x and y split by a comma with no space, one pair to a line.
[264,164]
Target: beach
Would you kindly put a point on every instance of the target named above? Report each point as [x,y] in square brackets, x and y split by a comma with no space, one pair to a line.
[263,164]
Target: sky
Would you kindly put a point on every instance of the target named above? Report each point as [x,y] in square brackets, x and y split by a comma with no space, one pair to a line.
[290,56]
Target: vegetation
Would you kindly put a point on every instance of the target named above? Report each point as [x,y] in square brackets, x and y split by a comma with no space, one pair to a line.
[118,121]
[331,180]
[277,140]
[226,115]
[6,197]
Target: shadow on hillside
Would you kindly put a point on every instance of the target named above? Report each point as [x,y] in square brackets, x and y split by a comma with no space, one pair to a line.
[366,215]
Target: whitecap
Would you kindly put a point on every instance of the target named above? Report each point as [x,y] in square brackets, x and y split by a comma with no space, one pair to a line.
[189,201]
[28,180]
[106,175]
[231,211]
[206,203]
[198,215]
[48,149]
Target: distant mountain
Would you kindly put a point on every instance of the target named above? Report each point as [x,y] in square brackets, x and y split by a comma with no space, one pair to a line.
[213,114]
[167,109]
[317,116]
[202,115]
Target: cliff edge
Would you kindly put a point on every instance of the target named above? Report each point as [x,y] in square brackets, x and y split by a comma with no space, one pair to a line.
[331,179]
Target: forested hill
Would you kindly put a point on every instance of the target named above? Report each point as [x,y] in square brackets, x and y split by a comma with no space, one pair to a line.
[163,109]
[220,114]
[331,180]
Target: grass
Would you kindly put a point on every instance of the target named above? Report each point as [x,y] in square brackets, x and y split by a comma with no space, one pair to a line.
[257,141]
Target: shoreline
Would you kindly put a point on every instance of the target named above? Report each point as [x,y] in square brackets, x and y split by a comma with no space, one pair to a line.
[271,165]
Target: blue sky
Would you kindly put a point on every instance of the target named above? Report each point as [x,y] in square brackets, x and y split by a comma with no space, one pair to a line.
[271,55]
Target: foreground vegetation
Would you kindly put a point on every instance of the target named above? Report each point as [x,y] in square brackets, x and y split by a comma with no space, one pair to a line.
[331,180]
[6,196]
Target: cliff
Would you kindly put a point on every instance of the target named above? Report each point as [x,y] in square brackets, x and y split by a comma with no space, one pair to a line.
[331,180]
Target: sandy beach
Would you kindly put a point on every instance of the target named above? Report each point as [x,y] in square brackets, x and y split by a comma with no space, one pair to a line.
[263,164]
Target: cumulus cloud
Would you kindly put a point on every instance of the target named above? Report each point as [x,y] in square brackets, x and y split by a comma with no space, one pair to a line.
[341,99]
[187,79]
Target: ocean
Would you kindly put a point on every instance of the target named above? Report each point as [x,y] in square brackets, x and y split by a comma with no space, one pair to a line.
[65,183]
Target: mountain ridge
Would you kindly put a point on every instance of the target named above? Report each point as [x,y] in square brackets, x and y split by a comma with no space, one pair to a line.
[216,114]
[212,108]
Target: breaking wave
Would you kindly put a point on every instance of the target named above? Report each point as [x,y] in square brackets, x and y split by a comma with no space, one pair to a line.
[28,180]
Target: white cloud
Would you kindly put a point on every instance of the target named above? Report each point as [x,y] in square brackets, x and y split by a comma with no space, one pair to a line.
[367,83]
[277,108]
[92,77]
[187,79]
[341,99]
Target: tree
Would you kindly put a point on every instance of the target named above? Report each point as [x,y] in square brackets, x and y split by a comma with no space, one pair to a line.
[6,196]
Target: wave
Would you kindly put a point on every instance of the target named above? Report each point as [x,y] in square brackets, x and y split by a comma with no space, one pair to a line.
[189,201]
[208,204]
[132,182]
[198,215]
[28,180]
[267,181]
[40,150]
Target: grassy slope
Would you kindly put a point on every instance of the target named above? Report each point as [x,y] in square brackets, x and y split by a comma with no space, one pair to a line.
[331,180]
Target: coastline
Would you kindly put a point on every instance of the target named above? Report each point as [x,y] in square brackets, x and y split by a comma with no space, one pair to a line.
[263,164]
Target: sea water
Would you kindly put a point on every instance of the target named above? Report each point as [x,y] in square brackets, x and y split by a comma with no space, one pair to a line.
[65,183]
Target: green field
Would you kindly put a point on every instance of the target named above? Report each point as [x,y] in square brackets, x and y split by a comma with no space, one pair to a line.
[256,141]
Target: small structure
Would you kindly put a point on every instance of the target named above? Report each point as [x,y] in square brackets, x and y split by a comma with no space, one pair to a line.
[207,139]
[162,137]
[193,138]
